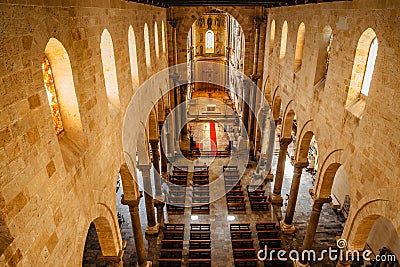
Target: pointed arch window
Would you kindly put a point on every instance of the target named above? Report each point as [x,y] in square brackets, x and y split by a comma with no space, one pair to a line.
[373,51]
[52,95]
[209,41]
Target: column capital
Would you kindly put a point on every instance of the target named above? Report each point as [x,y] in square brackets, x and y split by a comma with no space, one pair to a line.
[300,164]
[144,167]
[130,202]
[258,22]
[318,199]
[173,23]
[284,142]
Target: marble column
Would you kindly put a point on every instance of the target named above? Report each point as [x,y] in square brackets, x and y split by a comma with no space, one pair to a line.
[280,170]
[287,226]
[182,103]
[152,226]
[137,231]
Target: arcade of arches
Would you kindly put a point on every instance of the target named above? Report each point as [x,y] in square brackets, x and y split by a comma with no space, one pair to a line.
[88,179]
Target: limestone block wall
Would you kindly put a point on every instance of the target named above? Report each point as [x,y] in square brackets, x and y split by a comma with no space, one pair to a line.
[367,147]
[48,206]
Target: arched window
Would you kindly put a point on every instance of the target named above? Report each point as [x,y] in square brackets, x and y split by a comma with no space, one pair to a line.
[52,95]
[298,58]
[59,84]
[363,68]
[147,47]
[209,41]
[133,57]
[110,72]
[163,37]
[282,53]
[324,53]
[272,37]
[373,52]
[156,44]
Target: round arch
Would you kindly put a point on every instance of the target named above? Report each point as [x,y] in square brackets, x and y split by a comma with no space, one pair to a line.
[363,217]
[302,145]
[276,104]
[287,122]
[324,180]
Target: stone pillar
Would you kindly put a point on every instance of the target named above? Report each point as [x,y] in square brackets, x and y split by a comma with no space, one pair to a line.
[287,226]
[246,109]
[313,223]
[280,170]
[156,164]
[137,232]
[152,226]
[183,93]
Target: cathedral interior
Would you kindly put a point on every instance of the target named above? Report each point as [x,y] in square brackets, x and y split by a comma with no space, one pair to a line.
[199,133]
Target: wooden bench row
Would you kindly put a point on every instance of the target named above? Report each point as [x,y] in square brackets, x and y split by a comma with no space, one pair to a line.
[171,245]
[200,245]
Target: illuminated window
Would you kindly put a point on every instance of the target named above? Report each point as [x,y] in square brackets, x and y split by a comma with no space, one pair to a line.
[328,53]
[147,47]
[272,37]
[52,95]
[373,51]
[282,53]
[156,43]
[209,41]
[361,75]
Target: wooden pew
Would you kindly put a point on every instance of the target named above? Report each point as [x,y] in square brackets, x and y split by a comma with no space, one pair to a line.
[256,193]
[175,208]
[200,235]
[237,206]
[183,168]
[266,226]
[203,193]
[199,253]
[235,199]
[244,253]
[235,193]
[265,234]
[171,253]
[233,168]
[199,244]
[201,209]
[200,227]
[199,262]
[170,262]
[235,187]
[241,235]
[270,242]
[173,235]
[239,227]
[259,206]
[172,244]
[246,262]
[242,243]
[174,227]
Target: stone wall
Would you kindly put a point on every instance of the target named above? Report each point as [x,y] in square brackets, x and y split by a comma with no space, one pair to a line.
[47,205]
[367,147]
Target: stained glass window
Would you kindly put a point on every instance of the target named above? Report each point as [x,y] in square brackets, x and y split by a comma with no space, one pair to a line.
[51,95]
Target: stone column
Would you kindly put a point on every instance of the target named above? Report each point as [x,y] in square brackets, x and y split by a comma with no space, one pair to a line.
[163,148]
[287,224]
[137,231]
[280,170]
[246,109]
[313,223]
[152,226]
[183,93]
[156,164]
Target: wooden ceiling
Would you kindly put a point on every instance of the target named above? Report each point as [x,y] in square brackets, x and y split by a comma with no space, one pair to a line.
[265,3]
